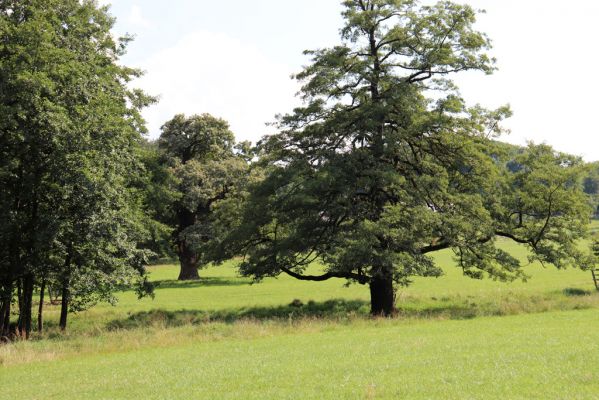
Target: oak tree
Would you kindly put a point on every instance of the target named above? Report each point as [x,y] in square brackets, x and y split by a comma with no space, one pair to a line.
[200,151]
[385,164]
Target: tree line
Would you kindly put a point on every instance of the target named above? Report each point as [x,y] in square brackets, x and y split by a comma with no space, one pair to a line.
[382,165]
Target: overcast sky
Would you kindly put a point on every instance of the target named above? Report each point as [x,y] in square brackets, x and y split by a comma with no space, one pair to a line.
[234,59]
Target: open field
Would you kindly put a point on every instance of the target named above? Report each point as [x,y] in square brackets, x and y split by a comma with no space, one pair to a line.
[454,338]
[543,356]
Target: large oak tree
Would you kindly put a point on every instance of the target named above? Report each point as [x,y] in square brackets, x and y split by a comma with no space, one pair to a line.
[202,159]
[385,164]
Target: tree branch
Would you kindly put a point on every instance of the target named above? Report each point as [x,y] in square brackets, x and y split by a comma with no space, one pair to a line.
[514,238]
[319,278]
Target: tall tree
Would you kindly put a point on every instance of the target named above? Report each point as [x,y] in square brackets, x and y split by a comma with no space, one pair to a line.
[200,151]
[69,132]
[385,164]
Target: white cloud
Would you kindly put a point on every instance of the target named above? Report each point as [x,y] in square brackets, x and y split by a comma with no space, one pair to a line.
[208,72]
[136,18]
[544,53]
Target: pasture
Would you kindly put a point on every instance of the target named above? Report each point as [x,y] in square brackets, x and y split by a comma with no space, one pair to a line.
[453,338]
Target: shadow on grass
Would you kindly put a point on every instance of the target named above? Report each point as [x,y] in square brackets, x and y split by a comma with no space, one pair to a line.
[328,310]
[343,310]
[202,282]
[332,310]
[451,311]
[574,292]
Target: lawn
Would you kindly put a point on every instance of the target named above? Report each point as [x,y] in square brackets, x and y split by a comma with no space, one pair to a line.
[226,338]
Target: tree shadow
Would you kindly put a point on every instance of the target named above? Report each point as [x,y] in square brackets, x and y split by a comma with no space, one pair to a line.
[202,282]
[331,310]
[450,311]
[328,310]
[340,310]
[575,292]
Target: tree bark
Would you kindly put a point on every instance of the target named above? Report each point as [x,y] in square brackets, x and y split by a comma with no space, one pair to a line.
[189,263]
[4,308]
[382,296]
[5,300]
[20,304]
[187,257]
[64,307]
[25,306]
[2,314]
[6,316]
[40,309]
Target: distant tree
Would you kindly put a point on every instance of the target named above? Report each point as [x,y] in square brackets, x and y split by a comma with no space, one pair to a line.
[374,172]
[591,186]
[541,205]
[69,134]
[202,158]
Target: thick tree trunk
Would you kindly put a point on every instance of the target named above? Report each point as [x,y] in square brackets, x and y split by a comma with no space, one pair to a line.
[64,307]
[40,309]
[189,263]
[187,257]
[382,296]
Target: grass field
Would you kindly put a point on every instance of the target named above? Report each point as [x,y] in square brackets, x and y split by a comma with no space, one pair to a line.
[455,338]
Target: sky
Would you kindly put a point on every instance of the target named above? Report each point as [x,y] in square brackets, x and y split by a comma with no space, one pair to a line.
[234,59]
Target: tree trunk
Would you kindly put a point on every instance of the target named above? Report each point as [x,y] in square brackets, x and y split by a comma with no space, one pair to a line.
[4,309]
[40,309]
[187,257]
[189,263]
[5,300]
[20,304]
[25,306]
[3,305]
[64,307]
[382,296]
[6,331]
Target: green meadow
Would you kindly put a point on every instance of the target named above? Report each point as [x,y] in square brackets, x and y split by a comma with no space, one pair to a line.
[224,337]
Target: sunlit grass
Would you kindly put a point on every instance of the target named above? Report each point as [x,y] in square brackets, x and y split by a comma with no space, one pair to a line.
[224,337]
[532,356]
[222,290]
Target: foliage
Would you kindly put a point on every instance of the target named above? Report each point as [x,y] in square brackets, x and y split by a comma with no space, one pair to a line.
[542,206]
[591,186]
[70,130]
[156,192]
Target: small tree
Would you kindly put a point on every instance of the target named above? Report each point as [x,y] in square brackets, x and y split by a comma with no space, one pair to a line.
[375,172]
